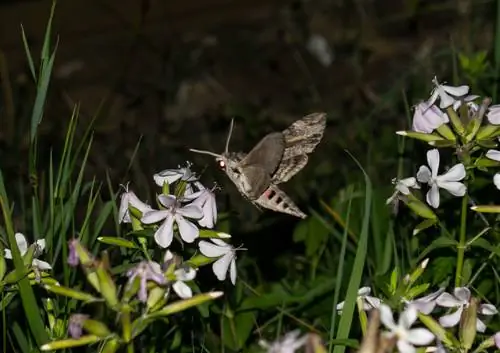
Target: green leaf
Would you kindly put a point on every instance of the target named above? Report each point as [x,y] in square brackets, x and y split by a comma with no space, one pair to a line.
[71,293]
[121,242]
[71,342]
[357,270]
[184,304]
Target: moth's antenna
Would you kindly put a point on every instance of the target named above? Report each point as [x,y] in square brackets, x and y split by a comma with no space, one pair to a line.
[226,150]
[205,152]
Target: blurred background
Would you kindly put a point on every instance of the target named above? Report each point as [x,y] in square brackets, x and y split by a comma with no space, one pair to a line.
[156,78]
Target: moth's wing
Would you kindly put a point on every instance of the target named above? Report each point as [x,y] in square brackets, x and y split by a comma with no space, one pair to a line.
[267,153]
[256,180]
[300,139]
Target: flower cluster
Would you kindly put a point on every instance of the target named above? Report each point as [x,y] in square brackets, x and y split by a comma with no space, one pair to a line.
[406,337]
[185,205]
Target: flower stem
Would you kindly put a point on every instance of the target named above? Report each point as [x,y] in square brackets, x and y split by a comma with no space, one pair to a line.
[461,243]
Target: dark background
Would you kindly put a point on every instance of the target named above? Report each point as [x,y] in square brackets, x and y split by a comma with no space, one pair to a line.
[171,75]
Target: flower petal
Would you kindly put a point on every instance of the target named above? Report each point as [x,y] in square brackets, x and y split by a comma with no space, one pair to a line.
[496,337]
[408,317]
[496,180]
[452,319]
[424,174]
[40,243]
[167,201]
[405,347]
[480,326]
[21,242]
[221,266]
[455,173]
[386,317]
[155,216]
[433,161]
[191,211]
[7,254]
[42,265]
[420,336]
[457,91]
[453,187]
[493,154]
[165,233]
[487,309]
[211,250]
[232,271]
[364,291]
[448,301]
[182,290]
[462,293]
[432,196]
[188,231]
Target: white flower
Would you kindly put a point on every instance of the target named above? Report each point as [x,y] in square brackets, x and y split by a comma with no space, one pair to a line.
[290,343]
[425,304]
[129,198]
[174,212]
[427,118]
[23,246]
[183,275]
[449,180]
[206,200]
[402,187]
[447,94]
[460,300]
[493,114]
[368,301]
[406,338]
[172,175]
[226,261]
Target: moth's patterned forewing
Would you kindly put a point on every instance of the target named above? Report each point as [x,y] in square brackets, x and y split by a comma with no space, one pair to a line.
[301,138]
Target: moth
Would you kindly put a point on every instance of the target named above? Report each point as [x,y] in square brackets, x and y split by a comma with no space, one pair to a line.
[274,160]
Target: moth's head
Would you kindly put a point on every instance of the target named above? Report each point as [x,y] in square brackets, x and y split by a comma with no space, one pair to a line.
[225,162]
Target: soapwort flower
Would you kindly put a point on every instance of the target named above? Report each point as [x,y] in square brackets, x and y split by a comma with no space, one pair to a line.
[448,181]
[227,258]
[402,186]
[177,213]
[146,271]
[460,300]
[427,118]
[447,95]
[75,326]
[170,176]
[368,301]
[407,337]
[23,246]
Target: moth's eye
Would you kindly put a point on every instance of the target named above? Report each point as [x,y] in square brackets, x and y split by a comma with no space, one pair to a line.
[222,164]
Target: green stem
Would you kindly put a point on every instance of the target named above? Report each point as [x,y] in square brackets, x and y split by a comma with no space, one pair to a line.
[461,243]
